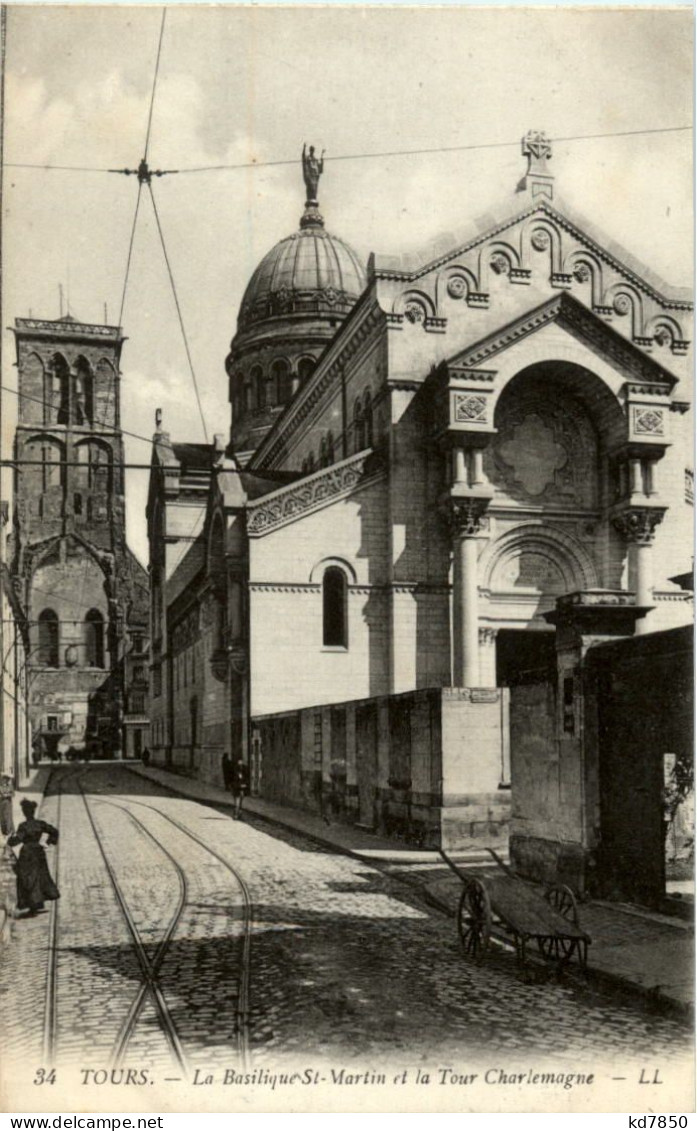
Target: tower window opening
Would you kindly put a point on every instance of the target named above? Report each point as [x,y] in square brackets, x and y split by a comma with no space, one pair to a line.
[305,367]
[281,381]
[83,393]
[259,385]
[53,465]
[48,639]
[334,608]
[94,639]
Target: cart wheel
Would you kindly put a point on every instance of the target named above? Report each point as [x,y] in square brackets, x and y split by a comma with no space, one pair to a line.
[474,920]
[556,949]
[563,900]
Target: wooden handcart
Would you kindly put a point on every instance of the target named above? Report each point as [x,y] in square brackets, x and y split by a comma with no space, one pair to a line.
[505,907]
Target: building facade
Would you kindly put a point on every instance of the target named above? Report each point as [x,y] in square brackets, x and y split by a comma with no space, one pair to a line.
[15,744]
[84,592]
[487,472]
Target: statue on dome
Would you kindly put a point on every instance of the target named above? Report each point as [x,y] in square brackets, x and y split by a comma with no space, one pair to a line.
[313,168]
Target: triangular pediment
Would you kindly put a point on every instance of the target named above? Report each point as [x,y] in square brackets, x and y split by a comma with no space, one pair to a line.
[582,324]
[578,234]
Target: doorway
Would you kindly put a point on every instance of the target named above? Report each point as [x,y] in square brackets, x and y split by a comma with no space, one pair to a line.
[525,656]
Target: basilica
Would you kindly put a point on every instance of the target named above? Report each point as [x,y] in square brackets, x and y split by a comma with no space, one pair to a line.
[452,511]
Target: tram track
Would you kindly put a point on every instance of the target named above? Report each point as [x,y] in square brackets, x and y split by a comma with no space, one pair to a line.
[149,973]
[243,996]
[150,966]
[50,1023]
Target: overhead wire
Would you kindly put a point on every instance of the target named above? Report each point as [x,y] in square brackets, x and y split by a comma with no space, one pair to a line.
[368,156]
[154,84]
[136,436]
[179,312]
[137,207]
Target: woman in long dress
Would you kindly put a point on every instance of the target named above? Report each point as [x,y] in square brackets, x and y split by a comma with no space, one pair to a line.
[34,882]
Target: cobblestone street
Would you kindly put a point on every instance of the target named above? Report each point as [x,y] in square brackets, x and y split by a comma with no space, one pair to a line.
[185,939]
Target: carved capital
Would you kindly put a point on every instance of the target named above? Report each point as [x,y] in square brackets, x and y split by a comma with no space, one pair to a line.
[638,524]
[465,516]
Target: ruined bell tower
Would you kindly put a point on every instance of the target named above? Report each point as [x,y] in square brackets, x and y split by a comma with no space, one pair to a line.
[83,590]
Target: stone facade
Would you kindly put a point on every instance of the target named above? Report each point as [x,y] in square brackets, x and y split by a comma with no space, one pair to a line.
[497,424]
[82,588]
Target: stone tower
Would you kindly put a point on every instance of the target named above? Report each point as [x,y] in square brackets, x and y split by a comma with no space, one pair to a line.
[84,592]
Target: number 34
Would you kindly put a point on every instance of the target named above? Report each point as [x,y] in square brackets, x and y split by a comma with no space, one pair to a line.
[45,1076]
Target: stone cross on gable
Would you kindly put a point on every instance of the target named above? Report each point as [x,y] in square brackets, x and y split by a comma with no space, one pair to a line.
[537,147]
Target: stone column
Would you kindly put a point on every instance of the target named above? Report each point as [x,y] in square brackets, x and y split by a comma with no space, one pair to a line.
[487,656]
[465,515]
[638,525]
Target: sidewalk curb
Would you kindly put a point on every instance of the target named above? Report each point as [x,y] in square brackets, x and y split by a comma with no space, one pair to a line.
[601,979]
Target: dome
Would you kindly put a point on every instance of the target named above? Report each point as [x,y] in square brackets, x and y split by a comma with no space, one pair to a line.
[311,271]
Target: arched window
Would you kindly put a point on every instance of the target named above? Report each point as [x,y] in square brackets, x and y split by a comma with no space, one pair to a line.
[94,639]
[305,367]
[58,390]
[259,386]
[247,395]
[323,452]
[330,449]
[281,381]
[48,639]
[358,427]
[334,608]
[368,418]
[53,464]
[83,393]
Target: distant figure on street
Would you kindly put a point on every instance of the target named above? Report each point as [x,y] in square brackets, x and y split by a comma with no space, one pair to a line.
[7,789]
[145,756]
[34,883]
[228,764]
[237,781]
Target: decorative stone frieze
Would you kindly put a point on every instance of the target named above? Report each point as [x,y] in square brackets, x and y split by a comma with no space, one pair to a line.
[457,287]
[520,275]
[540,239]
[320,489]
[469,406]
[499,264]
[568,311]
[648,421]
[581,272]
[478,298]
[622,305]
[414,312]
[638,524]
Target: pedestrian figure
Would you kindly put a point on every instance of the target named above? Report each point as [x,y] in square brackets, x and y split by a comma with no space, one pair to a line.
[34,883]
[228,765]
[145,756]
[239,784]
[7,789]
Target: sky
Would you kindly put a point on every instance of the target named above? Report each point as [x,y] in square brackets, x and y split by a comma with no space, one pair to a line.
[241,85]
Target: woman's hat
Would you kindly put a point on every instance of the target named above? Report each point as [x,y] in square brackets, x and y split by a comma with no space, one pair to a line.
[27,805]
